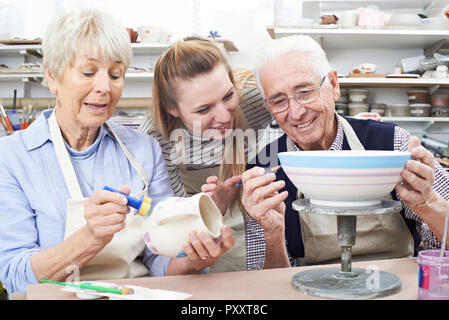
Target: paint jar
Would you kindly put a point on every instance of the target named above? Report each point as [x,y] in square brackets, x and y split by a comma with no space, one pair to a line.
[433,276]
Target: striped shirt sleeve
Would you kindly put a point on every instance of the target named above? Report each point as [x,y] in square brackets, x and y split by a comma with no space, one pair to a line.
[177,185]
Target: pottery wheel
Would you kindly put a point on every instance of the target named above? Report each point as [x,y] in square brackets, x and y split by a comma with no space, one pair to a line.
[385,207]
[346,283]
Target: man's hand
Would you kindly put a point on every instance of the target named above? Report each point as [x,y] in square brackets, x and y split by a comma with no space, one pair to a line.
[417,178]
[262,200]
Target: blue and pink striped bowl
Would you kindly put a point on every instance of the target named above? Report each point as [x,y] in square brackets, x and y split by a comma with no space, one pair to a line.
[344,178]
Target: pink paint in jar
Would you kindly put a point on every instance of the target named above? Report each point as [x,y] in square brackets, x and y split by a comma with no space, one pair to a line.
[433,276]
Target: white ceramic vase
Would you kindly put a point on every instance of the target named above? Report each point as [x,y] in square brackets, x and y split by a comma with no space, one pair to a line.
[167,228]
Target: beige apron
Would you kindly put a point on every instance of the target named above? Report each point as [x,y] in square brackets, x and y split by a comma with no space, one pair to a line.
[235,258]
[119,258]
[378,236]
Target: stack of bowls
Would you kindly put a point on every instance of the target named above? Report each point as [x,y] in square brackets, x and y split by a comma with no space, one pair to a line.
[341,106]
[418,96]
[419,106]
[420,110]
[440,105]
[358,101]
[379,108]
[400,110]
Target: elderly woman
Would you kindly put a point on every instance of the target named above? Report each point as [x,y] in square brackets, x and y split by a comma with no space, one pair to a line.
[57,222]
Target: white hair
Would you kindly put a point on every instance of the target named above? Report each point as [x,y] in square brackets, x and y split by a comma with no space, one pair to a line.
[84,29]
[298,43]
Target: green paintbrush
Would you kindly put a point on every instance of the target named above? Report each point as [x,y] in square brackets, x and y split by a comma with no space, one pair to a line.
[91,287]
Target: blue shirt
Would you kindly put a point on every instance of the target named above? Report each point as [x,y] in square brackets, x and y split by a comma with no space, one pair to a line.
[84,163]
[33,193]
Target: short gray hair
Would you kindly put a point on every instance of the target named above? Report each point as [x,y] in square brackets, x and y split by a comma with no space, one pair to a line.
[298,43]
[80,29]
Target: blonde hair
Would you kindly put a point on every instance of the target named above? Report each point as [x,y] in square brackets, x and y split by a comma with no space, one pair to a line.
[70,33]
[186,59]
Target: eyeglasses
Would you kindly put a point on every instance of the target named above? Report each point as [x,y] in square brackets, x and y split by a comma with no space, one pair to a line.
[302,96]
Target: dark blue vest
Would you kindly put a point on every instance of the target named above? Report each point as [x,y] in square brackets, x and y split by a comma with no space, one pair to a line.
[372,134]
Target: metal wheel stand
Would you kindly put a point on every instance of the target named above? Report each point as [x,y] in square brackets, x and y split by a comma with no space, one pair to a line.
[346,283]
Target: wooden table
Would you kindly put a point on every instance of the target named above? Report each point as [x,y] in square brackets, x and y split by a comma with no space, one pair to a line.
[272,284]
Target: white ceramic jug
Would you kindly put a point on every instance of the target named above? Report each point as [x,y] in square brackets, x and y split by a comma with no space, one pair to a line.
[167,228]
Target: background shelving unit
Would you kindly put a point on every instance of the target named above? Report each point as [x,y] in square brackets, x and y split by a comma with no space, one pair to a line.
[142,52]
[393,82]
[365,38]
[25,51]
[348,47]
[137,91]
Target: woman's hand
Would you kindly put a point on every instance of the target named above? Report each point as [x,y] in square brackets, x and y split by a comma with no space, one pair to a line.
[369,115]
[221,192]
[203,251]
[105,213]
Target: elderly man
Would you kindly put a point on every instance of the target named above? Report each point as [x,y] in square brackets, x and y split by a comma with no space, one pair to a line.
[300,89]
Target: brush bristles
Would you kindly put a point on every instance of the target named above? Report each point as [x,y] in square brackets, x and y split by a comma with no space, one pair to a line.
[127,291]
[145,207]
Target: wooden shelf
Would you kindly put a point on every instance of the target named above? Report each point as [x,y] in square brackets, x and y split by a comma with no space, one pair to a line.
[15,77]
[381,3]
[138,48]
[44,103]
[415,119]
[6,49]
[139,76]
[227,44]
[393,82]
[365,38]
[24,77]
[145,48]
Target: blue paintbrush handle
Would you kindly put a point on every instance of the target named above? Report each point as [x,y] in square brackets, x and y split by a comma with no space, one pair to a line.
[132,202]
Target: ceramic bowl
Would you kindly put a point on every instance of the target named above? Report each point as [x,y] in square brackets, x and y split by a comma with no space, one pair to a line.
[400,110]
[439,100]
[405,20]
[436,23]
[420,110]
[357,107]
[380,108]
[344,178]
[358,95]
[418,96]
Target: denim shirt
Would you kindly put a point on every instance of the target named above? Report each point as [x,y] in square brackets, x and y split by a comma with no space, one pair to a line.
[33,193]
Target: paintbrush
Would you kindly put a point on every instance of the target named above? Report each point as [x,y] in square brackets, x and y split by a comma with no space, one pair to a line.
[3,123]
[13,115]
[23,118]
[142,206]
[123,290]
[443,242]
[33,115]
[267,171]
[6,119]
